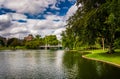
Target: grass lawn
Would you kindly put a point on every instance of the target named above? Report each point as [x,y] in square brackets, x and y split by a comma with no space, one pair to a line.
[102,55]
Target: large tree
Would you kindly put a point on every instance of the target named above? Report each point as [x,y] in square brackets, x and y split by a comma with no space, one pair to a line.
[96,19]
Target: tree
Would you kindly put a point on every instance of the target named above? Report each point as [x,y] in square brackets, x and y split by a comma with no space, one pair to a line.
[96,19]
[39,39]
[33,44]
[68,39]
[13,42]
[51,40]
[1,43]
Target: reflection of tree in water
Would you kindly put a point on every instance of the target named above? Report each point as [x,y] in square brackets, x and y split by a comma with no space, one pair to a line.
[32,54]
[106,71]
[87,69]
[79,68]
[70,61]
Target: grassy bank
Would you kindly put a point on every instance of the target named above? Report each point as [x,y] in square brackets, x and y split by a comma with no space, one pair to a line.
[103,56]
[12,48]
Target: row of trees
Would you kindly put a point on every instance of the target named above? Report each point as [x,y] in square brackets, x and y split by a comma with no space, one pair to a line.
[34,43]
[96,22]
[39,41]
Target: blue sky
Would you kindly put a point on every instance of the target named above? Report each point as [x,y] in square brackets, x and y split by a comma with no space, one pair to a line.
[18,18]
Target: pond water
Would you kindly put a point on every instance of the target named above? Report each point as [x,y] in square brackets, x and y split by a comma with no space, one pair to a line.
[46,64]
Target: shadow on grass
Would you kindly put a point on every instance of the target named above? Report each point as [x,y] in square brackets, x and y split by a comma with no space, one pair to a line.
[116,54]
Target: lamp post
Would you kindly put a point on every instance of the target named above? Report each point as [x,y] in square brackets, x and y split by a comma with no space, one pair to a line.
[46,43]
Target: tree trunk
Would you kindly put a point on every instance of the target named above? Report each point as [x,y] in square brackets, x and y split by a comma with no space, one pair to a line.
[103,43]
[111,50]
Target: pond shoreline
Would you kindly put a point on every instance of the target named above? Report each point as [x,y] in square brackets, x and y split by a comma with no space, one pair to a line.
[94,59]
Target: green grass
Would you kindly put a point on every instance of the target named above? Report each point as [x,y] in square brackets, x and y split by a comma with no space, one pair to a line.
[102,55]
[12,48]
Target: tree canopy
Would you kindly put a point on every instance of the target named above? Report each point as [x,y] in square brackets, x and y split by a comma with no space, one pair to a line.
[94,20]
[51,40]
[37,41]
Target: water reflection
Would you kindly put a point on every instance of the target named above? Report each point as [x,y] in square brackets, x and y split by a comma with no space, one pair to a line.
[87,69]
[46,64]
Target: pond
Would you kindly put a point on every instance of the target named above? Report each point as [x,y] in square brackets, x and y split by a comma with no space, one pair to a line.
[46,64]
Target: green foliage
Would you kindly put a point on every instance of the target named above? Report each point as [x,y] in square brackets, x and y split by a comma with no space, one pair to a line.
[2,43]
[35,43]
[117,43]
[51,40]
[32,44]
[38,41]
[94,19]
[13,42]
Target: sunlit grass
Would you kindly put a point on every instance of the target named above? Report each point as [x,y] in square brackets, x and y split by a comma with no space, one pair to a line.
[102,55]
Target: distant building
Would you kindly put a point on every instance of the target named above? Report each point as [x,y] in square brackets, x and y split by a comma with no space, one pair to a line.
[29,37]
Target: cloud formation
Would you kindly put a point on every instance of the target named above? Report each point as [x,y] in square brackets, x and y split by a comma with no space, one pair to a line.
[32,26]
[5,21]
[28,6]
[71,11]
[17,16]
[11,26]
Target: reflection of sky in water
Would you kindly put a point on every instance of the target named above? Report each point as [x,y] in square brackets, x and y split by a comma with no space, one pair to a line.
[35,63]
[16,61]
[46,64]
[59,55]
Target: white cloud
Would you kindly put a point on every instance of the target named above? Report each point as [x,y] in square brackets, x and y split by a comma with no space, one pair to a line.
[32,26]
[71,11]
[16,29]
[53,17]
[52,24]
[1,2]
[57,32]
[28,6]
[18,16]
[5,21]
[4,18]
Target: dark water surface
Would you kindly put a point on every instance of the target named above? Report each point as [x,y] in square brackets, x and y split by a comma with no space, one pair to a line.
[46,64]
